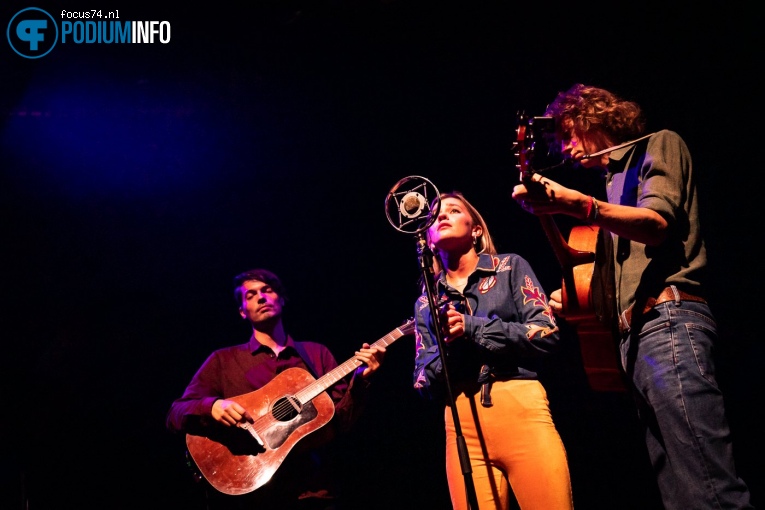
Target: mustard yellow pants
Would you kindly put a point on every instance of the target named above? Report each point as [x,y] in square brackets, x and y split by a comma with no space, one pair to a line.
[514,448]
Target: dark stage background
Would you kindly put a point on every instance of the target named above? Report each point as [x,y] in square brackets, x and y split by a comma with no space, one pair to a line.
[138,179]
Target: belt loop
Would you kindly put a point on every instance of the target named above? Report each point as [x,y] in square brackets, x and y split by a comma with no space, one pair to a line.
[676,294]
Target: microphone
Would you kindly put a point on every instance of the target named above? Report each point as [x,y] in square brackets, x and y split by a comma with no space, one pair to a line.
[410,203]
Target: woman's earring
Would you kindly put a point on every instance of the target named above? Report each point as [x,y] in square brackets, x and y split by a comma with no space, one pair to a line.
[475,238]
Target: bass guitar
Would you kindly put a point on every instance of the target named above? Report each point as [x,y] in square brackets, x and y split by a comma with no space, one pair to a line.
[577,261]
[238,460]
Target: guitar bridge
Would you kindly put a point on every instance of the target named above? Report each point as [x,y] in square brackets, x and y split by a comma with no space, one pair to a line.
[295,403]
[249,428]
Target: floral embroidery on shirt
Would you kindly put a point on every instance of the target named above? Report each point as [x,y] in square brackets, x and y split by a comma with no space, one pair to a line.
[421,381]
[532,294]
[486,284]
[418,341]
[423,300]
[501,266]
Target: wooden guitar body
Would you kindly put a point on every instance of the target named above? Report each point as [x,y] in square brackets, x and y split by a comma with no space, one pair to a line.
[596,341]
[235,462]
[577,295]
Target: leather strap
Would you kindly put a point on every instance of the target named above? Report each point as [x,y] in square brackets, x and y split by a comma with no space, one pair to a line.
[670,293]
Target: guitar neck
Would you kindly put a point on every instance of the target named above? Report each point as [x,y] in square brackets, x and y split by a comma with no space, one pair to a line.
[321,384]
[567,256]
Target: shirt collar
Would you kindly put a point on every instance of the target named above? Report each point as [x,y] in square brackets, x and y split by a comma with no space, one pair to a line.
[619,154]
[487,263]
[254,346]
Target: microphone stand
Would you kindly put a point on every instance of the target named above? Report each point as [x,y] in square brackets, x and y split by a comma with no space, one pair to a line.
[425,256]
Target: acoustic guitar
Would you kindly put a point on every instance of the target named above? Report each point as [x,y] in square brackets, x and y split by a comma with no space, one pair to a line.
[238,460]
[577,261]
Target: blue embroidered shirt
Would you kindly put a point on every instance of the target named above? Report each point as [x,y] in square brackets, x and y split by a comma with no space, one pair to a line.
[501,302]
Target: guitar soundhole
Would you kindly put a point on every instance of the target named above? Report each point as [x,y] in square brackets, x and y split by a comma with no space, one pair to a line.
[286,408]
[287,420]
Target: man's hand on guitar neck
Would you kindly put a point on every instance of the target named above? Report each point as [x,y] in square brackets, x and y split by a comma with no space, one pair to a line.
[371,358]
[540,195]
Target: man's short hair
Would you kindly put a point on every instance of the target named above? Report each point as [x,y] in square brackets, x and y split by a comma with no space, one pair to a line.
[260,275]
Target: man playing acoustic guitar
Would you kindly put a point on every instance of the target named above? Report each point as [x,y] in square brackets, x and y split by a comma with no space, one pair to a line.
[652,269]
[243,410]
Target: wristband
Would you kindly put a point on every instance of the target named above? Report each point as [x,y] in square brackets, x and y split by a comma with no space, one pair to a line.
[589,209]
[595,211]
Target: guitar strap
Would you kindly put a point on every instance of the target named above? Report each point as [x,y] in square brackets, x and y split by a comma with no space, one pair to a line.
[306,359]
[617,147]
[602,285]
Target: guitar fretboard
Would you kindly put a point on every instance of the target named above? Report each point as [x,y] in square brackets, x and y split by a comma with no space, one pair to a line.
[309,392]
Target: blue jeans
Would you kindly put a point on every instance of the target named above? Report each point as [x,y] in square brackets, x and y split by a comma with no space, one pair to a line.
[668,356]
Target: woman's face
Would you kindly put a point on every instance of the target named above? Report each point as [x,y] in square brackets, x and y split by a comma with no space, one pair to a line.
[453,227]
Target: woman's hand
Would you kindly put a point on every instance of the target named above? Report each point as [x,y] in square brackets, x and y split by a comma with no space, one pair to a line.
[452,323]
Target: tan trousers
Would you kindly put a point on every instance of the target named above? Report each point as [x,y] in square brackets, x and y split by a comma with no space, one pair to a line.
[514,448]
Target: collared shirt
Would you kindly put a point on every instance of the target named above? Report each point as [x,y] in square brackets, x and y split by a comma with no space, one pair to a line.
[657,174]
[501,300]
[240,369]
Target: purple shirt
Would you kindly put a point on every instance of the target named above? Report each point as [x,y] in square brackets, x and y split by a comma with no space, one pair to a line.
[240,369]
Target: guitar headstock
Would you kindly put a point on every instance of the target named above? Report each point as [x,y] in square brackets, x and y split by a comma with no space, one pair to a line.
[521,147]
[408,327]
[530,131]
